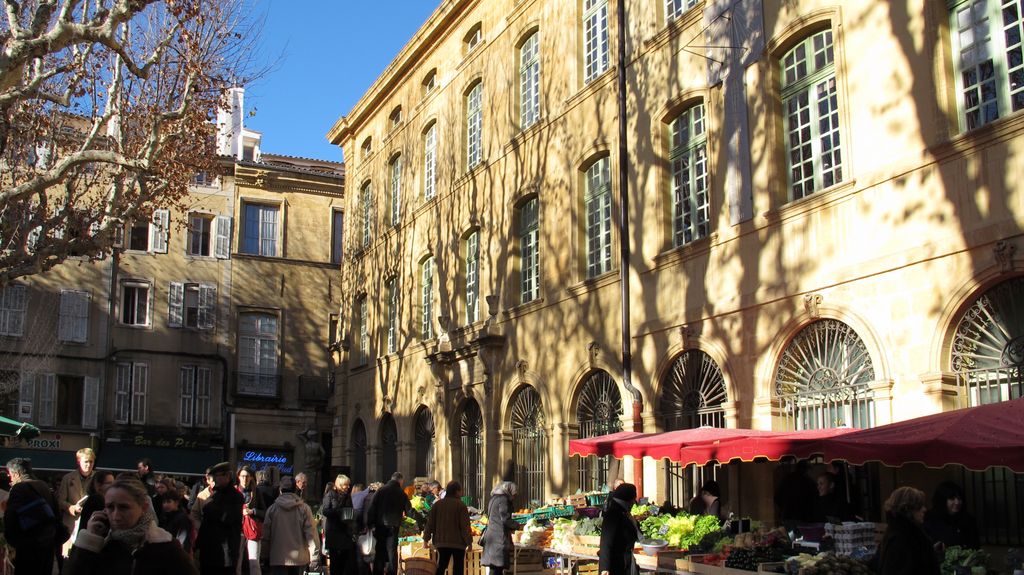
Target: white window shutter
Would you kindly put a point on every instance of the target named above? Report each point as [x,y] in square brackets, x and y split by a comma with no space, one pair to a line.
[47,397]
[187,395]
[27,396]
[207,306]
[123,393]
[15,304]
[81,329]
[175,304]
[158,231]
[66,316]
[140,379]
[204,377]
[222,240]
[90,402]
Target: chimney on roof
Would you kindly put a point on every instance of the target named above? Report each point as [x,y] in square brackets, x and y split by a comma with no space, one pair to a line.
[230,123]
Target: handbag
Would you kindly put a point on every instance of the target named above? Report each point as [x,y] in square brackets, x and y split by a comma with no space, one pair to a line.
[251,529]
[367,543]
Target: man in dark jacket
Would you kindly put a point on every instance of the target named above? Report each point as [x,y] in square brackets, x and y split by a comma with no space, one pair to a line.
[339,538]
[385,516]
[32,523]
[619,533]
[217,512]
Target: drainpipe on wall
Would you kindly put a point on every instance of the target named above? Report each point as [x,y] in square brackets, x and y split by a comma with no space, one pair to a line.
[624,252]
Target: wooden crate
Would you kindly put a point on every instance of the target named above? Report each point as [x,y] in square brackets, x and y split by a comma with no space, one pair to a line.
[661,560]
[771,567]
[587,540]
[705,569]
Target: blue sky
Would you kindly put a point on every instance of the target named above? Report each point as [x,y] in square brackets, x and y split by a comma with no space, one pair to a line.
[328,53]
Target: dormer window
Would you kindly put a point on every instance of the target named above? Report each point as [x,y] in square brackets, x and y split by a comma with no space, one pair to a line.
[366,148]
[395,120]
[474,38]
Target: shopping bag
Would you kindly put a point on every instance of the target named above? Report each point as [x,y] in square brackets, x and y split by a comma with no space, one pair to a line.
[367,544]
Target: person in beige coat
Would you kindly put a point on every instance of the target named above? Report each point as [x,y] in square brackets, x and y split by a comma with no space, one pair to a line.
[448,529]
[71,493]
[289,536]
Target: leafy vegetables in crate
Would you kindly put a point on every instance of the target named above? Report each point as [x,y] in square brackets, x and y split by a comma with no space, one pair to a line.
[960,557]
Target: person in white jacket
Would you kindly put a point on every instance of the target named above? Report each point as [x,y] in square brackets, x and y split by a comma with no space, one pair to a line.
[289,535]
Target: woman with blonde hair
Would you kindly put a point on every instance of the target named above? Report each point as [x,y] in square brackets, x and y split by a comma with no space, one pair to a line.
[906,549]
[124,539]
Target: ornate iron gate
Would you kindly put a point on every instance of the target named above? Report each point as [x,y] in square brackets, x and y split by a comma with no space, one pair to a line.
[599,412]
[692,396]
[358,453]
[389,447]
[424,434]
[529,446]
[988,359]
[471,435]
[823,380]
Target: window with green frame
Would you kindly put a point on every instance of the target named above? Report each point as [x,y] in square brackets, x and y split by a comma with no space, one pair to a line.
[810,108]
[988,57]
[597,201]
[688,156]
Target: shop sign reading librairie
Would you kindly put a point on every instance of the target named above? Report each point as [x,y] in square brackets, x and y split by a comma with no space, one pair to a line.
[259,459]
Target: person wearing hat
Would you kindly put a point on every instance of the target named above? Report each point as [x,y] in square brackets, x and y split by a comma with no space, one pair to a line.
[218,517]
[289,536]
[619,533]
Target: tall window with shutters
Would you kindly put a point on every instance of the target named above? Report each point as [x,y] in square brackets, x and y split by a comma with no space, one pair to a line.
[208,235]
[73,320]
[192,305]
[196,392]
[150,236]
[12,310]
[130,389]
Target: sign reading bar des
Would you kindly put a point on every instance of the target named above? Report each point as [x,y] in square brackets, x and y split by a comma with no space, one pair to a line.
[259,459]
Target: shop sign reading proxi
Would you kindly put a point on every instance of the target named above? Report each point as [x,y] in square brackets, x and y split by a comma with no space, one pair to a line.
[259,459]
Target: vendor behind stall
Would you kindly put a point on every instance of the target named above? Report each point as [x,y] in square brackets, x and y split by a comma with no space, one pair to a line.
[831,506]
[948,522]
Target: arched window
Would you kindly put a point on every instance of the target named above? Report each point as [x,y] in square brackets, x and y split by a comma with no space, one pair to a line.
[599,412]
[388,446]
[471,441]
[424,434]
[692,395]
[988,348]
[988,358]
[823,376]
[688,154]
[357,453]
[810,108]
[529,446]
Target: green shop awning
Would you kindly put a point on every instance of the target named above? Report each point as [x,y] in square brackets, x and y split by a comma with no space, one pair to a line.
[42,460]
[175,461]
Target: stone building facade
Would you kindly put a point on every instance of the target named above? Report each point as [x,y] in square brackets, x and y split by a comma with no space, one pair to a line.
[822,223]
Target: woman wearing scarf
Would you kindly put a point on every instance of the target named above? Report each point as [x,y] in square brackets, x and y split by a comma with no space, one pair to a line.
[497,538]
[619,533]
[124,539]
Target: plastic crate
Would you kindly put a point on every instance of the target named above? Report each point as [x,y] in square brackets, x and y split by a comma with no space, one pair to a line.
[597,499]
[521,517]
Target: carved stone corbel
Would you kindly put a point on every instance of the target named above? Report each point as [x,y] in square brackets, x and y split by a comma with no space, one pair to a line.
[687,334]
[1004,252]
[812,303]
[521,367]
[593,350]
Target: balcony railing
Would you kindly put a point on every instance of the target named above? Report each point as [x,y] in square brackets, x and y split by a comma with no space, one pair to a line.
[257,385]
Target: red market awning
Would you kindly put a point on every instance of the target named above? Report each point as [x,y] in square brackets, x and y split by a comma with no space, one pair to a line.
[601,444]
[975,437]
[768,445]
[656,445]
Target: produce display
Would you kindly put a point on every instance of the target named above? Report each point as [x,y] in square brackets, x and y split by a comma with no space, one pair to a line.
[961,557]
[535,533]
[409,528]
[748,558]
[826,564]
[681,530]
